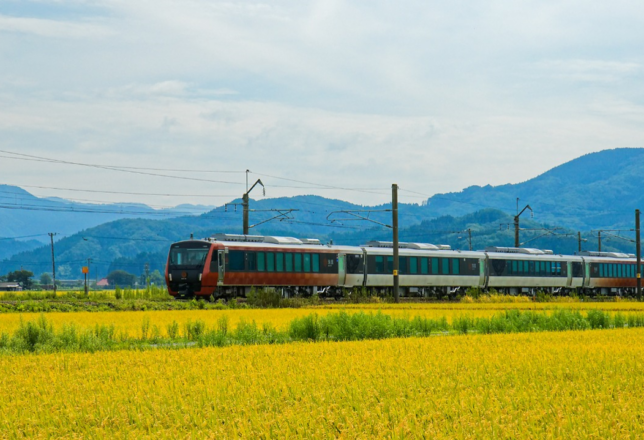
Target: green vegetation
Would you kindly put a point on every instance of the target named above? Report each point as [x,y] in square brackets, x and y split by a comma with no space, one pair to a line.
[39,336]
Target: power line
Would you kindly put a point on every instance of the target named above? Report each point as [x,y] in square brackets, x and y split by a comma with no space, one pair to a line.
[76,209]
[117,192]
[47,202]
[321,186]
[23,236]
[110,167]
[44,159]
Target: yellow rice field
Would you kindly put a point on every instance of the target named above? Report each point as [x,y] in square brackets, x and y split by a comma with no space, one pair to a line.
[130,323]
[517,386]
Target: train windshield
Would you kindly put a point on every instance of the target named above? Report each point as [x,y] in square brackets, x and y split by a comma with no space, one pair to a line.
[189,255]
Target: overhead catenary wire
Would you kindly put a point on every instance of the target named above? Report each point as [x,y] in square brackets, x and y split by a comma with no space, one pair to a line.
[118,192]
[113,168]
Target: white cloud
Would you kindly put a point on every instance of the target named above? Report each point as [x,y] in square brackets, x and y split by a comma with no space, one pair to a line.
[52,28]
[434,96]
[590,70]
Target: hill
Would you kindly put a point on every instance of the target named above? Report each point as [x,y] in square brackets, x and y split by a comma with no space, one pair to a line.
[23,214]
[598,190]
[131,244]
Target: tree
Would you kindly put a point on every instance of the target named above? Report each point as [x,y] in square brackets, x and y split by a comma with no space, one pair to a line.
[45,279]
[156,278]
[121,277]
[22,277]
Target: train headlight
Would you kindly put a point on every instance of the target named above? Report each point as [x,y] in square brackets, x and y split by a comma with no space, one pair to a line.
[199,277]
[170,276]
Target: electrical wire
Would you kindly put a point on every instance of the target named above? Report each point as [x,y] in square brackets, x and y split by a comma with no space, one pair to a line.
[111,168]
[118,192]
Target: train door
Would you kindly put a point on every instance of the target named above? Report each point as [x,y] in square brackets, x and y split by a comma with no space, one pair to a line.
[221,260]
[342,269]
[484,279]
[481,272]
[587,272]
[568,273]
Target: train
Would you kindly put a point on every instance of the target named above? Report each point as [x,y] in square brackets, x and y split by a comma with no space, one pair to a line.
[228,265]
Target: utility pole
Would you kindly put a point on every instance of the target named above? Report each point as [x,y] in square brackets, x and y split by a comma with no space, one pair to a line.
[579,239]
[599,240]
[245,201]
[89,277]
[147,275]
[516,222]
[639,254]
[469,237]
[394,223]
[53,260]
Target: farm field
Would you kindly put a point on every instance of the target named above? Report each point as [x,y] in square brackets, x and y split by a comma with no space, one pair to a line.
[521,386]
[130,322]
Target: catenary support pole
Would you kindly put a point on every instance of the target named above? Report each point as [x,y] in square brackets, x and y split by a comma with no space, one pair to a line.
[639,253]
[579,239]
[599,240]
[53,260]
[245,208]
[394,223]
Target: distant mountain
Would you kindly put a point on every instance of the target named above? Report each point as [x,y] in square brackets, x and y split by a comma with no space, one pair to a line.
[131,244]
[23,214]
[598,190]
[9,247]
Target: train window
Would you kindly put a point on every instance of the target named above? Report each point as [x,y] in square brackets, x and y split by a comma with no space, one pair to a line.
[329,263]
[413,265]
[515,266]
[236,261]
[445,266]
[288,262]
[279,262]
[456,266]
[390,264]
[251,261]
[213,262]
[424,265]
[315,262]
[261,261]
[435,266]
[298,262]
[402,265]
[355,263]
[601,270]
[380,264]
[270,262]
[577,270]
[499,267]
[468,266]
[306,262]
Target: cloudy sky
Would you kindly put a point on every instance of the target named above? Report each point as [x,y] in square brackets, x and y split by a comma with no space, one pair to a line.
[343,98]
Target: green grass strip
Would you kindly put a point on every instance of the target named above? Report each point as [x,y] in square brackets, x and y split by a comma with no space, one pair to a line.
[39,336]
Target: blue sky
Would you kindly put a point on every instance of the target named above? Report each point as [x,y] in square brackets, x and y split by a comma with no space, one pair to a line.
[434,96]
